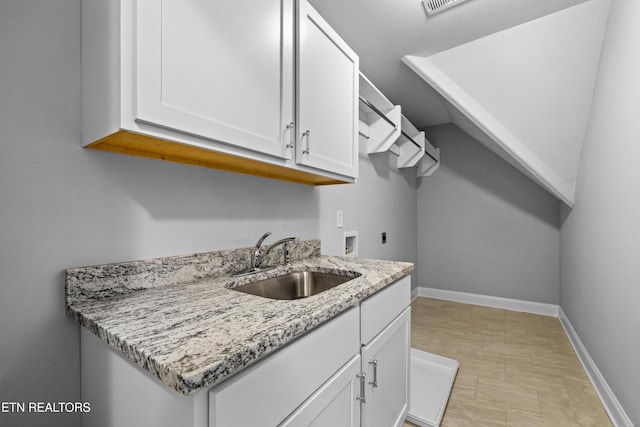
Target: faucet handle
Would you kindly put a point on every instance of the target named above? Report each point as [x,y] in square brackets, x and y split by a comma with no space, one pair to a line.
[287,254]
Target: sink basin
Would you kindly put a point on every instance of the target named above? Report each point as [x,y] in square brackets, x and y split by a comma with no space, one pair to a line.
[299,284]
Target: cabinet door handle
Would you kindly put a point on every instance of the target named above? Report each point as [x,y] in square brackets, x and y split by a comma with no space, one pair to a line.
[361,397]
[306,133]
[291,127]
[374,381]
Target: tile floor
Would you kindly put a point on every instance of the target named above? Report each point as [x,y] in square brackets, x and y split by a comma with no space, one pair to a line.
[516,369]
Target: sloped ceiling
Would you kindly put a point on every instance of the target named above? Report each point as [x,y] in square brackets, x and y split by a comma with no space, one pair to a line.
[518,76]
[382,32]
[528,89]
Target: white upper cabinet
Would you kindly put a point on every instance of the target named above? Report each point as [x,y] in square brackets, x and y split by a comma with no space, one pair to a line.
[327,107]
[217,69]
[215,84]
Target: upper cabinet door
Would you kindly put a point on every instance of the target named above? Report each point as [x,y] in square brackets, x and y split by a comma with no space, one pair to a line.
[221,70]
[327,97]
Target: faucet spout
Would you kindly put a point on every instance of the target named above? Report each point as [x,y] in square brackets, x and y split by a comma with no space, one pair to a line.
[285,242]
[257,255]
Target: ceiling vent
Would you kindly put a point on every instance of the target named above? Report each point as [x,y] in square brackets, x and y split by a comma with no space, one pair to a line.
[434,6]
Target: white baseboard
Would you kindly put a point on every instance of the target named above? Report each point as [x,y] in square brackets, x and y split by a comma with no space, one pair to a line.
[489,301]
[618,416]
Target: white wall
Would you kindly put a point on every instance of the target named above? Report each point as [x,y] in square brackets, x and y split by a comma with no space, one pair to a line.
[383,200]
[600,237]
[63,206]
[483,227]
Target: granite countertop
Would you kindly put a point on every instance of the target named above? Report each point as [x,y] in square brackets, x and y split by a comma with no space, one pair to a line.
[178,319]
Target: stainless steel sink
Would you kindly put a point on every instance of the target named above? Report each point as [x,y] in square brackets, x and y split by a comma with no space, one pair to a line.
[299,284]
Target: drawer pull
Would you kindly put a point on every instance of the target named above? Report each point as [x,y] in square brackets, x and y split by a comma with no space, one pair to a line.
[374,381]
[306,133]
[361,397]
[291,128]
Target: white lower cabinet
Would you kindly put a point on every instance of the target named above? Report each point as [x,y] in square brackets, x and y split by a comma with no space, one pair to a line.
[334,404]
[385,362]
[353,370]
[371,389]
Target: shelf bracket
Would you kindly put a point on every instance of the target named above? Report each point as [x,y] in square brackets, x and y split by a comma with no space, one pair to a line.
[383,134]
[427,165]
[411,150]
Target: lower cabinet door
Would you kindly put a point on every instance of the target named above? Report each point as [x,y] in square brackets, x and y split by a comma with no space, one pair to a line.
[334,404]
[385,361]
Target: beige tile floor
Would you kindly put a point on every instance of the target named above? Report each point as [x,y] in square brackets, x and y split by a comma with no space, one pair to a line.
[516,369]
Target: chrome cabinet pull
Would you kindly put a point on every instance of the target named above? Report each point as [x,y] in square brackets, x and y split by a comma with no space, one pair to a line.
[306,133]
[361,397]
[292,134]
[374,381]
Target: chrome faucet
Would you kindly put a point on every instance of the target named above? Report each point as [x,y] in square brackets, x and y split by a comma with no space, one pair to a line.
[257,256]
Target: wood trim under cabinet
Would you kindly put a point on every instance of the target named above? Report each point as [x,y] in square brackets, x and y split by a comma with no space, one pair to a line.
[135,144]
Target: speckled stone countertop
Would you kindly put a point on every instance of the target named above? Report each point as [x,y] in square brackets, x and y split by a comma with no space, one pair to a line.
[178,319]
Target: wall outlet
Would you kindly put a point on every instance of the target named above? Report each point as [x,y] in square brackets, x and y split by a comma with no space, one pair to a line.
[339,219]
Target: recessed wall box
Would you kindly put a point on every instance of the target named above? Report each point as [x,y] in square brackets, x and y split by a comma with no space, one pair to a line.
[350,243]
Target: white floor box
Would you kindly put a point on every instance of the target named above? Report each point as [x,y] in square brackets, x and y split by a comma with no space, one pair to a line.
[432,378]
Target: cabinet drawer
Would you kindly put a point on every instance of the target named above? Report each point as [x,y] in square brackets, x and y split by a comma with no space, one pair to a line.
[377,311]
[266,393]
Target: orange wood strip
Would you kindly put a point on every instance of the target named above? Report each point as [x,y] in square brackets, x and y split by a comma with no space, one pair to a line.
[134,144]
